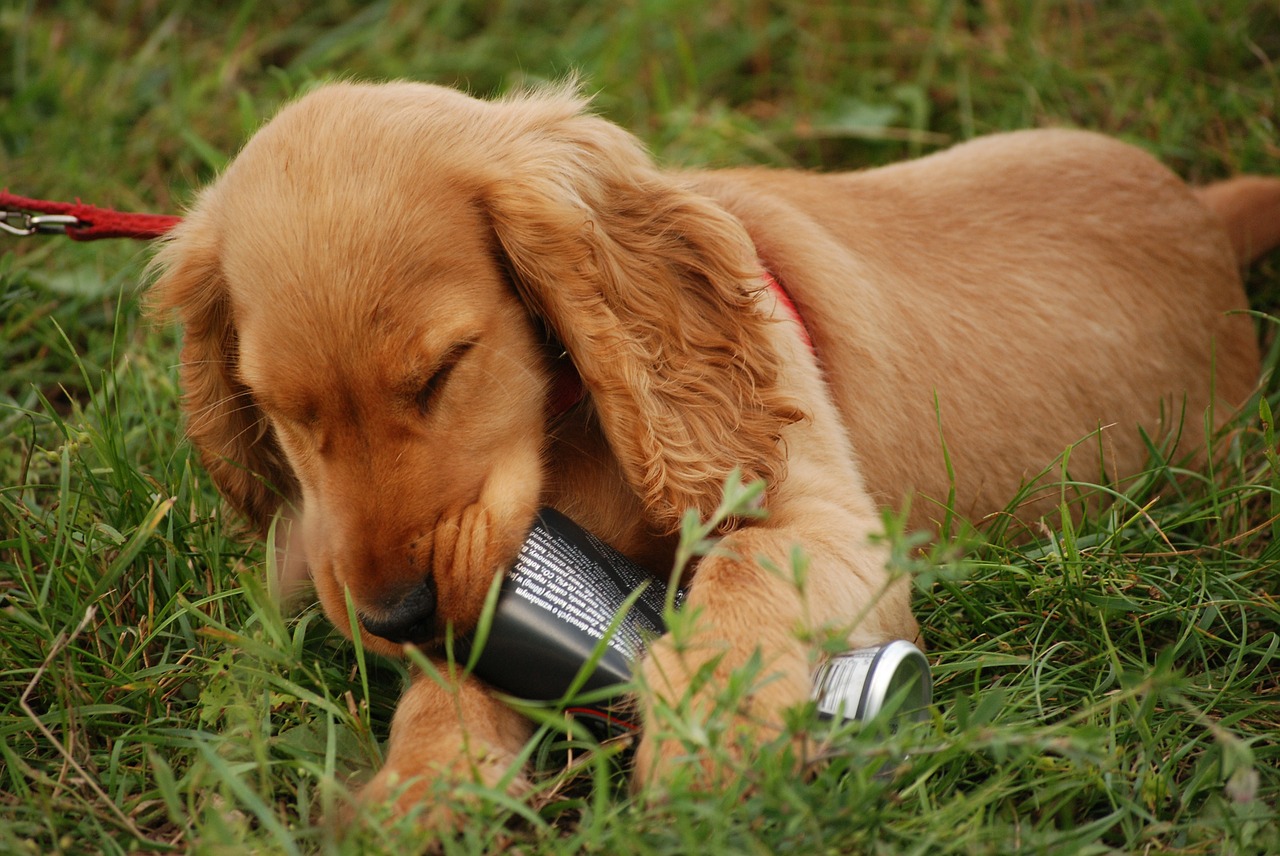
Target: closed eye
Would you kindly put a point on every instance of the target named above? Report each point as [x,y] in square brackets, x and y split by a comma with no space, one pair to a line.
[426,397]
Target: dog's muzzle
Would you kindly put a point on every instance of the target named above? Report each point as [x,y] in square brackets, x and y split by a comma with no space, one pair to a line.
[412,619]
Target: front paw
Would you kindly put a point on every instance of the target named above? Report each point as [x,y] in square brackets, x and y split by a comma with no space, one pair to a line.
[426,785]
[709,709]
[445,737]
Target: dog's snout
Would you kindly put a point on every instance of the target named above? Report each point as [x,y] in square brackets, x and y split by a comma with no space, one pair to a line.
[411,620]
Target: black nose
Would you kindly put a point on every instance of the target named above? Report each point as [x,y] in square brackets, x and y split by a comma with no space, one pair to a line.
[413,619]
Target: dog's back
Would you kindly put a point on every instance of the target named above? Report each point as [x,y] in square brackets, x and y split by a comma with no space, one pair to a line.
[980,310]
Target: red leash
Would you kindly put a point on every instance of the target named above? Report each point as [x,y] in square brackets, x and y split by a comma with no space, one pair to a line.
[77,221]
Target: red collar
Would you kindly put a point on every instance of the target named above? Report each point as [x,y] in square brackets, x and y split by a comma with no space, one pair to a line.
[788,306]
[568,391]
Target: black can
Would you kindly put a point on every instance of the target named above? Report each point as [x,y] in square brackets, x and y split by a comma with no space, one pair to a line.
[567,587]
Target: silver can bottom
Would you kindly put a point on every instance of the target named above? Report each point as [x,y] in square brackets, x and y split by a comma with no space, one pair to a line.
[860,684]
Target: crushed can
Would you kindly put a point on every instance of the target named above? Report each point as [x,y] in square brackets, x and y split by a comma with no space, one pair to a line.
[566,589]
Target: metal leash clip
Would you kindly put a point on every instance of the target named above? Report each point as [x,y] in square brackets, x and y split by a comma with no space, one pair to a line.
[22,224]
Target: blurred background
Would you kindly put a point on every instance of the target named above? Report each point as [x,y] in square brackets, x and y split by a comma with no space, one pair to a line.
[154,96]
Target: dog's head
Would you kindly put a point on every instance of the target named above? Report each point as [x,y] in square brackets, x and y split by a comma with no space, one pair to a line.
[366,294]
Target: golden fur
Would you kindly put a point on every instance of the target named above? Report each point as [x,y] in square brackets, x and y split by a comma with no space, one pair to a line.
[368,290]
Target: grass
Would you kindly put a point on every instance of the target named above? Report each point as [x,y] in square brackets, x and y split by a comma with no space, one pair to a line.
[1110,685]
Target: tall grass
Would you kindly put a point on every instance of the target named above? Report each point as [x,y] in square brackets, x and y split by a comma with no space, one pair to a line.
[1103,685]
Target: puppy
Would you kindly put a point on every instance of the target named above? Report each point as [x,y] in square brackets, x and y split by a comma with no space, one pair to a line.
[384,292]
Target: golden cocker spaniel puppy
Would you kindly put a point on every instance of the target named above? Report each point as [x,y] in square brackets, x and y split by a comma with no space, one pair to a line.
[381,293]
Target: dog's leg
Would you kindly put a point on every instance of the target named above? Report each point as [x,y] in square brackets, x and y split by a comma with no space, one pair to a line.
[745,601]
[456,731]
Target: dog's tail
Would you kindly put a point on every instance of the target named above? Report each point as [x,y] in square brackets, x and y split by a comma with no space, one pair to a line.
[1250,207]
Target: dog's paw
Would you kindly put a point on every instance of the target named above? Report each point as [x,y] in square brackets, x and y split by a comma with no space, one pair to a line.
[444,736]
[708,710]
[424,786]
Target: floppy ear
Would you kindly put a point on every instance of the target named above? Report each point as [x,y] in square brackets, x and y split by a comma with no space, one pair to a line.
[652,290]
[235,442]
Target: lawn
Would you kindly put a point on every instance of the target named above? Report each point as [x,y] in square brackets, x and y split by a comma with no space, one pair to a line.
[1103,685]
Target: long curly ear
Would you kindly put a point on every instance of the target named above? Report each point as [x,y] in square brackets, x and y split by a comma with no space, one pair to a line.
[234,440]
[652,290]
